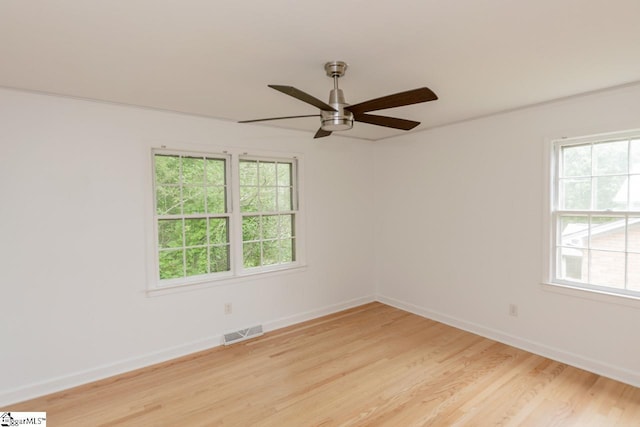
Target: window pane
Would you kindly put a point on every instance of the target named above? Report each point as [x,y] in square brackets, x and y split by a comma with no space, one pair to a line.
[267,197]
[634,156]
[171,264]
[195,232]
[193,170]
[633,238]
[267,172]
[607,269]
[168,200]
[193,200]
[284,199]
[286,226]
[216,200]
[218,231]
[216,172]
[574,231]
[634,194]
[270,252]
[576,160]
[249,199]
[572,264]
[633,272]
[286,250]
[608,233]
[576,194]
[610,157]
[167,169]
[251,254]
[284,174]
[250,228]
[219,259]
[610,193]
[248,172]
[197,261]
[270,226]
[170,233]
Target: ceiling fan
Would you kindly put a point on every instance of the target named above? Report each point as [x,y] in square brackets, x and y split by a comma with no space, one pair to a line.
[337,115]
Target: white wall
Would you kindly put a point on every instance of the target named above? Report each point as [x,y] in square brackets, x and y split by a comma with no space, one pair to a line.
[460,232]
[74,214]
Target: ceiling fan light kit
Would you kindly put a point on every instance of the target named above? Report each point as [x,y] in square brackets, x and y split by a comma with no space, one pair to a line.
[337,115]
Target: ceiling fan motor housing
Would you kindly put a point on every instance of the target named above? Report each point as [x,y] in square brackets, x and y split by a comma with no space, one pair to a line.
[336,120]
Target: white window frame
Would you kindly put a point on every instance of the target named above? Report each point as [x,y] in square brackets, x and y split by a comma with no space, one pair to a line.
[553,212]
[237,272]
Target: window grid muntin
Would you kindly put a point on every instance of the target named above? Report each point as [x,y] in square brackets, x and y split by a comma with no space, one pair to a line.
[558,212]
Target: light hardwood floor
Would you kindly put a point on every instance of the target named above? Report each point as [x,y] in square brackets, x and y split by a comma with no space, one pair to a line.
[372,365]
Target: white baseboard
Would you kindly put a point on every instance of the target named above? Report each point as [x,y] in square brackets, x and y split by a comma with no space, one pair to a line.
[53,385]
[314,314]
[591,365]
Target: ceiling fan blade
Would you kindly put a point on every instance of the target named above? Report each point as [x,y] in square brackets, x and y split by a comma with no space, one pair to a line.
[409,97]
[321,133]
[390,122]
[278,118]
[304,97]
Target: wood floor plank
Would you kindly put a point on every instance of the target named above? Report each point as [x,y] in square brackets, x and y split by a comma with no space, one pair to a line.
[372,365]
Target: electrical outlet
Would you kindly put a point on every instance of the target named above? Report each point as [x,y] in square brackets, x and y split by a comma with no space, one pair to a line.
[228,308]
[513,310]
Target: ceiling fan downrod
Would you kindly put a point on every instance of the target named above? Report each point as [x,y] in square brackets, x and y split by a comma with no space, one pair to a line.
[340,119]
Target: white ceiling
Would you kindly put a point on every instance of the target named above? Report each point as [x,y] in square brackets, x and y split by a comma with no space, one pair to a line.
[215,58]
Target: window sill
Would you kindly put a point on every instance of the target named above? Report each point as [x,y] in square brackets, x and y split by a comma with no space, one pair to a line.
[222,281]
[592,294]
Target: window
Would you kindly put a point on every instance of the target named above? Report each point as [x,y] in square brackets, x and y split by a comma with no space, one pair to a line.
[596,213]
[268,215]
[213,224]
[192,217]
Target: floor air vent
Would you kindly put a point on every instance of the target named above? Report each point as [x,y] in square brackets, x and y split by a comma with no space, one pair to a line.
[242,334]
